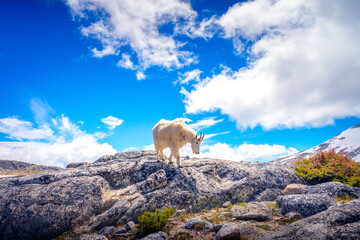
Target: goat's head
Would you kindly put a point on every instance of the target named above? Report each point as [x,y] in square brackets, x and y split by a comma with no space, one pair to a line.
[195,143]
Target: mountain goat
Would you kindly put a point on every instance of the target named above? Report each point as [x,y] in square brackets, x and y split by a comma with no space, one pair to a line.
[174,135]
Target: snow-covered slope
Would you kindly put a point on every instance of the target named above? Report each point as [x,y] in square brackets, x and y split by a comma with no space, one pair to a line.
[347,142]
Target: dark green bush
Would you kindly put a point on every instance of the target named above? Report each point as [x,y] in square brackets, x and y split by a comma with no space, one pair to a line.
[329,166]
[152,222]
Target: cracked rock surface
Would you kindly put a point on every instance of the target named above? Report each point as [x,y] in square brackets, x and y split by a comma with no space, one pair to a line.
[305,204]
[340,222]
[118,188]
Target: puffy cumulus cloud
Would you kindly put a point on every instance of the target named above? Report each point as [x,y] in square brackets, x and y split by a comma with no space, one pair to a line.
[56,143]
[83,148]
[244,152]
[20,130]
[304,65]
[112,122]
[116,23]
[107,50]
[149,147]
[140,76]
[185,78]
[125,62]
[250,19]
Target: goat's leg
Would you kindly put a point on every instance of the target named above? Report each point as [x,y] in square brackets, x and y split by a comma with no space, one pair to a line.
[162,155]
[171,154]
[177,156]
[157,154]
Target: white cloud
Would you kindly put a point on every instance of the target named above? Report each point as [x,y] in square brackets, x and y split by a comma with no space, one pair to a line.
[205,29]
[304,65]
[207,136]
[54,141]
[60,144]
[149,147]
[108,50]
[140,76]
[129,149]
[112,122]
[205,123]
[100,135]
[41,110]
[24,130]
[244,152]
[116,23]
[125,62]
[251,19]
[57,153]
[185,78]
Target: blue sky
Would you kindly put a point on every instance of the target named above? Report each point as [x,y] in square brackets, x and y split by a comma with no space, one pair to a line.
[262,79]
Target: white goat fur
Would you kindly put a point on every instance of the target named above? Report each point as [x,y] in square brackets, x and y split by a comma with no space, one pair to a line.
[174,135]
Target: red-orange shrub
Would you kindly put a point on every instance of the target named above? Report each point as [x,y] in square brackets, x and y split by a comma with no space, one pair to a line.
[329,166]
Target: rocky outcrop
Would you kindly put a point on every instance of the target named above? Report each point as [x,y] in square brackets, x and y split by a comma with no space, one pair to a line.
[333,189]
[228,232]
[119,188]
[77,164]
[339,222]
[13,167]
[226,204]
[109,230]
[258,211]
[306,205]
[198,224]
[293,216]
[156,236]
[269,194]
[31,208]
[92,237]
[293,189]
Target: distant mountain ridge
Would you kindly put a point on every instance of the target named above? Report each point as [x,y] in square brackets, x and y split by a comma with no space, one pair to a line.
[14,167]
[347,142]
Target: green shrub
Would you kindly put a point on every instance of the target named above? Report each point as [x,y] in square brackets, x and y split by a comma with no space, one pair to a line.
[264,226]
[272,205]
[152,222]
[329,166]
